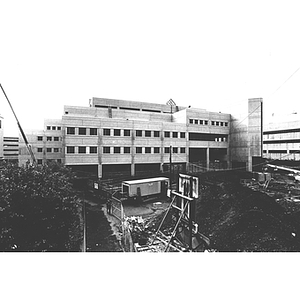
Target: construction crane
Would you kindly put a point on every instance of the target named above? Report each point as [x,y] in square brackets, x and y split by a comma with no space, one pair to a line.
[20,128]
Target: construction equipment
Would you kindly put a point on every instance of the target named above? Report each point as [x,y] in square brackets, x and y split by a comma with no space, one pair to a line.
[20,128]
[184,235]
[295,173]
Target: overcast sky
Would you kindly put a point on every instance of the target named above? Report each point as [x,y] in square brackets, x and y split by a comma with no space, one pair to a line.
[207,54]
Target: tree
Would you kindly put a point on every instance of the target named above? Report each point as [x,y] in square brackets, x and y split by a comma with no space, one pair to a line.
[39,210]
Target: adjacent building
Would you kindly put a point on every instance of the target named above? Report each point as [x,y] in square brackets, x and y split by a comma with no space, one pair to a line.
[1,138]
[127,137]
[281,140]
[11,149]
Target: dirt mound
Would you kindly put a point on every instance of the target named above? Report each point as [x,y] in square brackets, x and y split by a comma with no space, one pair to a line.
[236,218]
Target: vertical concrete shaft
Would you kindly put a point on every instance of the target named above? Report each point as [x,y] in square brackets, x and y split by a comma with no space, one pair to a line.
[255,129]
[207,159]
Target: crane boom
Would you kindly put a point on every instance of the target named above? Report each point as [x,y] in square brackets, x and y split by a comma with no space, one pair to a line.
[20,128]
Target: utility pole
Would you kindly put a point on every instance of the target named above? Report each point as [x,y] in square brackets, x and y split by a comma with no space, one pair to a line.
[170,179]
[84,227]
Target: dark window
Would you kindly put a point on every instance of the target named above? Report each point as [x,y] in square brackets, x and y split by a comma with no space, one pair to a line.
[126,149]
[156,149]
[126,132]
[48,127]
[59,160]
[206,122]
[53,127]
[39,138]
[148,150]
[167,134]
[56,138]
[225,123]
[201,122]
[191,121]
[167,150]
[106,131]
[175,134]
[56,149]
[81,131]
[117,149]
[106,149]
[39,161]
[156,133]
[70,149]
[93,131]
[139,133]
[138,150]
[49,138]
[175,150]
[217,123]
[39,149]
[49,150]
[93,149]
[70,130]
[81,149]
[148,133]
[117,132]
[182,150]
[212,122]
[277,151]
[182,135]
[196,121]
[58,128]
[221,123]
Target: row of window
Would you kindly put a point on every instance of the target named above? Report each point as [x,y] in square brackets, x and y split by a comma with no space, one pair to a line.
[49,138]
[49,150]
[124,132]
[205,122]
[53,127]
[123,150]
[82,131]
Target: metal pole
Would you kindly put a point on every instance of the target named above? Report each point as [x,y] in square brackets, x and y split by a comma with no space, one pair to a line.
[170,179]
[84,228]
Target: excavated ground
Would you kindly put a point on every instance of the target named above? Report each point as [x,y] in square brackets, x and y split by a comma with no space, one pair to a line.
[236,218]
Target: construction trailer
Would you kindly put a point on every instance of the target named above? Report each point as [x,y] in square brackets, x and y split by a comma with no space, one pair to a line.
[143,189]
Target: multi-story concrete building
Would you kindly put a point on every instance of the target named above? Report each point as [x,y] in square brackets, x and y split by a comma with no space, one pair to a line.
[46,144]
[1,137]
[281,140]
[117,136]
[11,149]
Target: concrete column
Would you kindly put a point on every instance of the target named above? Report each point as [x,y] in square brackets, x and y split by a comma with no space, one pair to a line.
[207,159]
[132,169]
[99,170]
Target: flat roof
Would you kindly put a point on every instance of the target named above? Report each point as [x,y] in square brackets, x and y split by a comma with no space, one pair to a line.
[145,180]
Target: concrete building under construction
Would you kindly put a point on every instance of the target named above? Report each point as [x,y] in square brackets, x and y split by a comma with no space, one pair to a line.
[127,137]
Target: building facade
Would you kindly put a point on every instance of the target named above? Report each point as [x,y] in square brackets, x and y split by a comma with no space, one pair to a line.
[11,149]
[281,140]
[127,137]
[1,137]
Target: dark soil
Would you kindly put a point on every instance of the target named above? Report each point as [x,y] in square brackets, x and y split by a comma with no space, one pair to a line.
[100,237]
[236,218]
